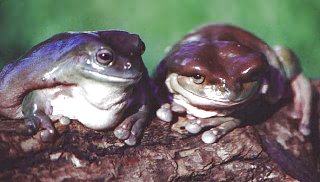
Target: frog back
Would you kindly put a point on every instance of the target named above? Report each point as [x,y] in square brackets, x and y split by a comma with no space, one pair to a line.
[225,32]
[19,78]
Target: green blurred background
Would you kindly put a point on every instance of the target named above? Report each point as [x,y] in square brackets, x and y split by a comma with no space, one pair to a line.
[293,23]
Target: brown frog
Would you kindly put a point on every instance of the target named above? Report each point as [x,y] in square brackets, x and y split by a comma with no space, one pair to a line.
[219,70]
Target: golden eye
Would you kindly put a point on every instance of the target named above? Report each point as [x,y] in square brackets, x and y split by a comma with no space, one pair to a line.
[104,56]
[198,79]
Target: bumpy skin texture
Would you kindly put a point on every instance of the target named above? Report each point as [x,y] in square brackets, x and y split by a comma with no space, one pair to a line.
[104,70]
[217,72]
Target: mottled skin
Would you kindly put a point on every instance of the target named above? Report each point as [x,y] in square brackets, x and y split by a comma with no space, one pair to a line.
[218,70]
[97,78]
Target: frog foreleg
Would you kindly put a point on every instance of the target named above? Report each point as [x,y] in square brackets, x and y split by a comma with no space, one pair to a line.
[34,111]
[226,126]
[196,125]
[131,128]
[136,131]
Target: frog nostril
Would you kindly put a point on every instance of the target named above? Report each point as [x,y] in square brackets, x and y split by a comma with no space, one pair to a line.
[220,88]
[127,65]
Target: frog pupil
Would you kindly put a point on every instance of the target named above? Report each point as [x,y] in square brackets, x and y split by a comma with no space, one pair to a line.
[105,56]
[197,76]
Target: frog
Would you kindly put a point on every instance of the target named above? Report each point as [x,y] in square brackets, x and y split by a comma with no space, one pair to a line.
[95,77]
[215,73]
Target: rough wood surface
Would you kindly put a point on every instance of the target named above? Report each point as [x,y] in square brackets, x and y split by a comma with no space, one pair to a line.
[273,150]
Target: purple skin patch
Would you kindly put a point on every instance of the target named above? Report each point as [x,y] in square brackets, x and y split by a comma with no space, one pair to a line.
[221,69]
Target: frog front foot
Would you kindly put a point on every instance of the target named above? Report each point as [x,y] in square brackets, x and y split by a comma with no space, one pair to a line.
[35,111]
[132,127]
[40,120]
[220,126]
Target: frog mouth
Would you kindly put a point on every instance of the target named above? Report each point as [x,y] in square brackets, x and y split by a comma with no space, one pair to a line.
[112,78]
[198,100]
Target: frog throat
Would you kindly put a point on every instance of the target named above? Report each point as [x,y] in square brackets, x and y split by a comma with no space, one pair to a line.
[193,99]
[197,112]
[110,78]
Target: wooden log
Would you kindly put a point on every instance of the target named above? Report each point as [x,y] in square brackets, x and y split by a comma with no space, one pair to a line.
[269,148]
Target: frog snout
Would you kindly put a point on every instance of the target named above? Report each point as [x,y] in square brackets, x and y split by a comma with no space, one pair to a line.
[227,91]
[125,68]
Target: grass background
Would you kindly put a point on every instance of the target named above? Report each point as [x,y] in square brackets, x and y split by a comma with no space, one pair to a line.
[292,23]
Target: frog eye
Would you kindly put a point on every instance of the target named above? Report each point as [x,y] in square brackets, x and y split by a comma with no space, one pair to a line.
[105,57]
[198,79]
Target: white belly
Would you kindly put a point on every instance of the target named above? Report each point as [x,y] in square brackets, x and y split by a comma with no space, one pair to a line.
[75,105]
[194,111]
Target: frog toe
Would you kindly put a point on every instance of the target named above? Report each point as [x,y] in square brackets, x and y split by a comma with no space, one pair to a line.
[121,133]
[136,132]
[193,127]
[209,137]
[65,121]
[131,128]
[164,114]
[132,140]
[214,134]
[32,126]
[47,135]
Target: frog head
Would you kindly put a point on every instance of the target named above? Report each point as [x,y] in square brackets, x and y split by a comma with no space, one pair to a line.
[216,74]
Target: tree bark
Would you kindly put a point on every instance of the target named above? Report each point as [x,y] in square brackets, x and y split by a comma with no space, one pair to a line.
[269,149]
